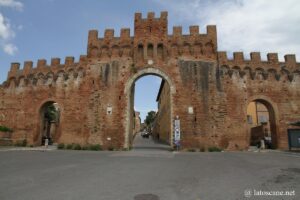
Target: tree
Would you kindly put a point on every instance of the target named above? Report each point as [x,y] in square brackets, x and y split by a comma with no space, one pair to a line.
[150,117]
[51,113]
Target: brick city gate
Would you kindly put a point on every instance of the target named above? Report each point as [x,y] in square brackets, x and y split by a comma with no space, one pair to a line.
[209,92]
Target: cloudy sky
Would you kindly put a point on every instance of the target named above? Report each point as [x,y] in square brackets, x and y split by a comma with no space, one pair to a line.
[33,29]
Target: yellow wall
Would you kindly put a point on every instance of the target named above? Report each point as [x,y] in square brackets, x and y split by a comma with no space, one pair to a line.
[259,113]
[162,125]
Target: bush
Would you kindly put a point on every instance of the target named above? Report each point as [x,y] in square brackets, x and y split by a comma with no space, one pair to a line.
[69,146]
[5,129]
[95,147]
[76,147]
[61,146]
[85,147]
[191,150]
[24,143]
[214,149]
[21,143]
[111,148]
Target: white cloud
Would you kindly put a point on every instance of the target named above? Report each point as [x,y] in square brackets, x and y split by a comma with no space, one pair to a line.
[11,3]
[6,31]
[10,49]
[243,25]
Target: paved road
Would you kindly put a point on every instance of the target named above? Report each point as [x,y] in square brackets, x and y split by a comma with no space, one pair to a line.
[148,144]
[145,174]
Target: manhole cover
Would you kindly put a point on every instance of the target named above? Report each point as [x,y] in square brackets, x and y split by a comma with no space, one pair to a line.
[146,197]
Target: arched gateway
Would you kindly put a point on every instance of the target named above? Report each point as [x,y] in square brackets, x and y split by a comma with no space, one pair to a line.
[208,92]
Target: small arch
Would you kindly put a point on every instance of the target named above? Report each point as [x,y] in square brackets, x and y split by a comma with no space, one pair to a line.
[49,77]
[260,74]
[126,51]
[150,51]
[94,52]
[174,50]
[186,49]
[115,51]
[237,71]
[140,53]
[160,51]
[41,79]
[22,81]
[49,118]
[80,72]
[12,82]
[60,76]
[209,49]
[224,70]
[105,52]
[198,49]
[249,73]
[272,73]
[284,75]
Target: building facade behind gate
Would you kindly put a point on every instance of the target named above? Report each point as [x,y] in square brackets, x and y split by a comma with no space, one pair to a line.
[208,91]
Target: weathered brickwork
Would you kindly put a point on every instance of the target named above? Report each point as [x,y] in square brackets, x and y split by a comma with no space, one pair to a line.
[95,94]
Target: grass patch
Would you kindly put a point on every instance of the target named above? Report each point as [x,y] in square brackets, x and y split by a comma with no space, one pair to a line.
[69,146]
[91,147]
[61,146]
[95,147]
[214,149]
[76,147]
[21,143]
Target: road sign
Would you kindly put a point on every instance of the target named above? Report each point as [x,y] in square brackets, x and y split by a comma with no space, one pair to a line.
[176,130]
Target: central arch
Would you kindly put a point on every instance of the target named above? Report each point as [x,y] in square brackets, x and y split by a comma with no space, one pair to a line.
[128,94]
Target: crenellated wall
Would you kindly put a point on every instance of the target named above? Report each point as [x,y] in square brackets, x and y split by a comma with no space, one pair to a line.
[208,91]
[258,69]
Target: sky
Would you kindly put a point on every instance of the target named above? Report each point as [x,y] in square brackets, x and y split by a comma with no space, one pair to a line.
[31,29]
[146,90]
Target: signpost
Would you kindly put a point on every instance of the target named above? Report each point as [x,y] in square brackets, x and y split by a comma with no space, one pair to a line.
[177,133]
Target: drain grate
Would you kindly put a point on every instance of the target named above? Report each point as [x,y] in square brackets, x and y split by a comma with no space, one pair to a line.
[146,197]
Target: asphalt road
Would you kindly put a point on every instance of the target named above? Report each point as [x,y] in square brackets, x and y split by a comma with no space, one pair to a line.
[146,173]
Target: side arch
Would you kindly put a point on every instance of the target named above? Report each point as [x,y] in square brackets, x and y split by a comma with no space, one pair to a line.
[273,115]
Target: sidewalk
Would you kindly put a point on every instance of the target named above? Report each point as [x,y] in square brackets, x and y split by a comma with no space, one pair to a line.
[39,148]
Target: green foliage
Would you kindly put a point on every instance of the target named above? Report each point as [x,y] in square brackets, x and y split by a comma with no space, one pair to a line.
[24,143]
[69,146]
[61,146]
[296,123]
[51,113]
[76,147]
[95,147]
[21,143]
[214,149]
[150,117]
[92,147]
[111,148]
[85,147]
[5,129]
[191,150]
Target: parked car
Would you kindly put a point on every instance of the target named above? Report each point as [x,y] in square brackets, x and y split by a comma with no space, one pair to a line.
[145,134]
